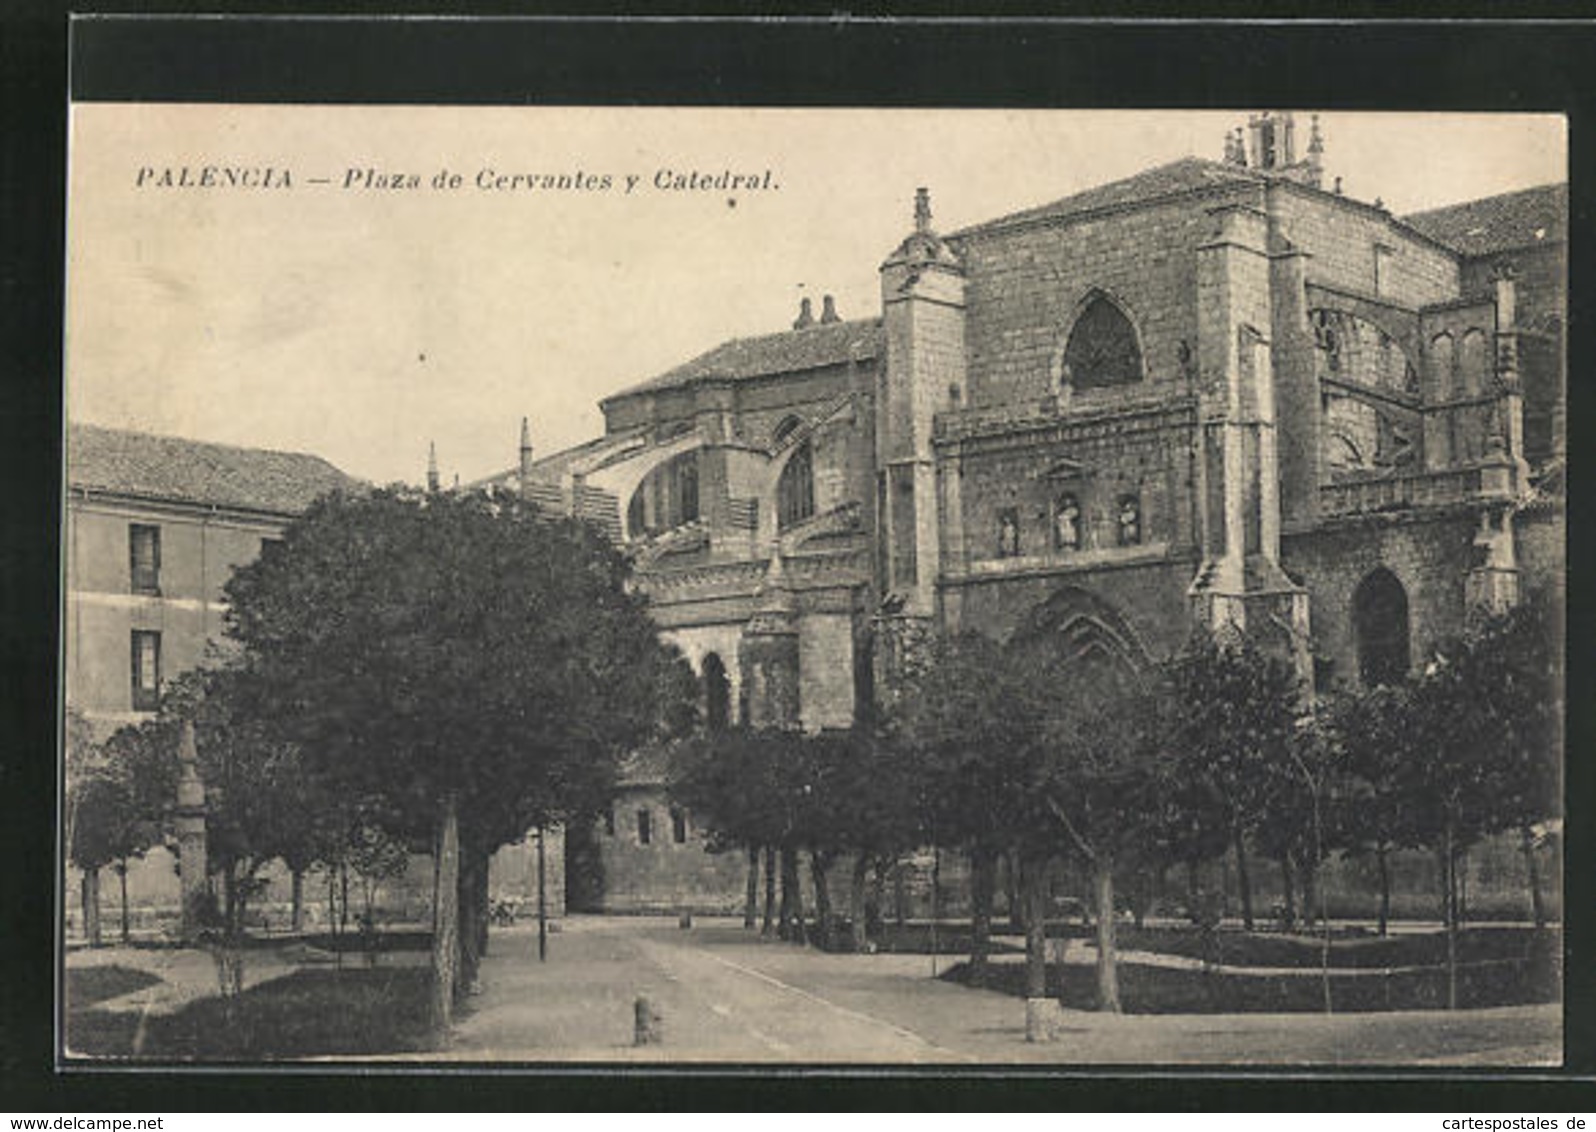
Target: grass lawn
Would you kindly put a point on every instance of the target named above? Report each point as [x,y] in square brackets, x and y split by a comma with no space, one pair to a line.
[1522,968]
[306,1014]
[89,985]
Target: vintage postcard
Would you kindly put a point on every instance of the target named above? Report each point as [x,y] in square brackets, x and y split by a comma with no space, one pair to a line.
[824,586]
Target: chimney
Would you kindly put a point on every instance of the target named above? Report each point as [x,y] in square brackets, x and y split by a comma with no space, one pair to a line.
[922,210]
[828,310]
[432,466]
[806,315]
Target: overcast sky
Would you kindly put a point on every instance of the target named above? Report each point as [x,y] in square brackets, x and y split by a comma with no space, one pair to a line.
[360,324]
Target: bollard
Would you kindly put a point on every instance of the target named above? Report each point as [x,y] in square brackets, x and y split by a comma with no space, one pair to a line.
[647,1023]
[684,921]
[1044,1018]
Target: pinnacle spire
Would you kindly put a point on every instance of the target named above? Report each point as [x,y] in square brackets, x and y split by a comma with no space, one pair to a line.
[432,466]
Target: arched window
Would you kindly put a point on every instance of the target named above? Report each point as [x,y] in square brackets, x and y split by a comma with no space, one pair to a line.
[667,497]
[795,490]
[1128,520]
[687,487]
[1067,523]
[1102,348]
[1471,363]
[717,693]
[1380,622]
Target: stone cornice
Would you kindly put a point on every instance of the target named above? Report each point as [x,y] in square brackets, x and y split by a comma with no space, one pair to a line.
[994,432]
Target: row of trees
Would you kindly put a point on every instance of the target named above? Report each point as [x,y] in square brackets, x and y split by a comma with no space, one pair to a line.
[441,672]
[1042,750]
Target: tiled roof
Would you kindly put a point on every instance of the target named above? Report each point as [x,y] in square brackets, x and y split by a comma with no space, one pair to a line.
[1189,174]
[791,351]
[192,471]
[1496,224]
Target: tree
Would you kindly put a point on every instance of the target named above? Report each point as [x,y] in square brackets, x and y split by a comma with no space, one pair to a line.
[1108,732]
[1238,708]
[120,804]
[974,720]
[1374,734]
[474,664]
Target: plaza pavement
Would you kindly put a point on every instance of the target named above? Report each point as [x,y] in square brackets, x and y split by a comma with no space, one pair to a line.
[726,996]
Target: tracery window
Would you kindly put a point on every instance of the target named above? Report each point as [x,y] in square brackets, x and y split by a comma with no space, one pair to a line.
[1102,349]
[795,490]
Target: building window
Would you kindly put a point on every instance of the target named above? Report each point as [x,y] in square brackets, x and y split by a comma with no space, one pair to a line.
[144,557]
[1102,349]
[1008,533]
[795,490]
[609,822]
[1067,523]
[146,670]
[679,826]
[1380,623]
[687,488]
[782,431]
[1130,520]
[645,827]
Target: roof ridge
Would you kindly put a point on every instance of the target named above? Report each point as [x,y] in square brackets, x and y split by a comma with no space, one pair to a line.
[173,438]
[1474,201]
[1060,206]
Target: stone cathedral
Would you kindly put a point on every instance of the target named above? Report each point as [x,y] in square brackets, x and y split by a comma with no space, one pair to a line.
[1216,392]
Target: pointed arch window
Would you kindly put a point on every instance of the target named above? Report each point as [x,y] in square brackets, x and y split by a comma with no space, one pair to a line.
[795,490]
[1380,623]
[1102,348]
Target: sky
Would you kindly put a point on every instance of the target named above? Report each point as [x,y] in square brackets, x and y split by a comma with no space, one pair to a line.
[363,323]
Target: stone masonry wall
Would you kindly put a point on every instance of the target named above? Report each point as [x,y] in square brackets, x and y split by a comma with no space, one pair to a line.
[1025,285]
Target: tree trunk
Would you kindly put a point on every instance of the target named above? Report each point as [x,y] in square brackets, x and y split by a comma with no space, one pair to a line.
[983,882]
[1310,893]
[445,912]
[473,923]
[859,914]
[876,898]
[1532,867]
[296,915]
[770,892]
[818,864]
[91,906]
[230,902]
[1011,880]
[1288,882]
[1107,973]
[1460,887]
[899,896]
[1035,884]
[1380,856]
[1449,886]
[751,895]
[121,876]
[343,895]
[792,899]
[1243,882]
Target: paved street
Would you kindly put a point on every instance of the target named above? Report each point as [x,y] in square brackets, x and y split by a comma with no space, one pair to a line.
[726,996]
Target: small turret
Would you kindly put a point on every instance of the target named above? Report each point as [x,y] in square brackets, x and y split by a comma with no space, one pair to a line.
[806,315]
[432,466]
[828,310]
